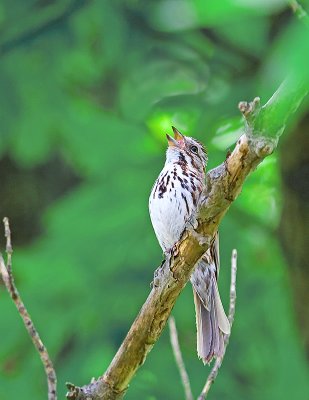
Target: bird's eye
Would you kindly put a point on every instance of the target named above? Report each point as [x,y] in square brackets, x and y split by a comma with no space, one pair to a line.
[194,149]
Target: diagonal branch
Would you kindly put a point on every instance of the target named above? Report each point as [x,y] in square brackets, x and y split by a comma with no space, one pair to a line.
[224,184]
[7,276]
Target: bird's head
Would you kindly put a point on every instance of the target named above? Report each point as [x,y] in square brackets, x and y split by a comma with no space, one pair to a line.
[184,149]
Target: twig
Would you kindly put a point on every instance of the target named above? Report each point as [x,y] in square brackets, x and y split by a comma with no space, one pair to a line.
[214,372]
[298,9]
[9,249]
[179,360]
[233,287]
[7,276]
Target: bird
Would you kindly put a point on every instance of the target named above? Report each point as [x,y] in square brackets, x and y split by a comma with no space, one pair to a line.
[173,202]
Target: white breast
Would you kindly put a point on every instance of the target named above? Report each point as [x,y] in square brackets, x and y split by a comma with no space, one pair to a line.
[171,204]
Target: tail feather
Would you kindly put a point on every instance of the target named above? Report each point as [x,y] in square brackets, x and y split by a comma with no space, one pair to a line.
[203,324]
[209,336]
[223,321]
[211,322]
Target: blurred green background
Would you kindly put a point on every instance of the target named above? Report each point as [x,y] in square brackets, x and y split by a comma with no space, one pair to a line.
[88,90]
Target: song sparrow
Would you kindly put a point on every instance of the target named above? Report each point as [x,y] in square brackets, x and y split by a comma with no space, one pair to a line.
[173,201]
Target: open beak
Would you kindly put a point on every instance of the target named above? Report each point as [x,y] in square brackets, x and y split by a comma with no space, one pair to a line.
[177,135]
[171,141]
[177,141]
